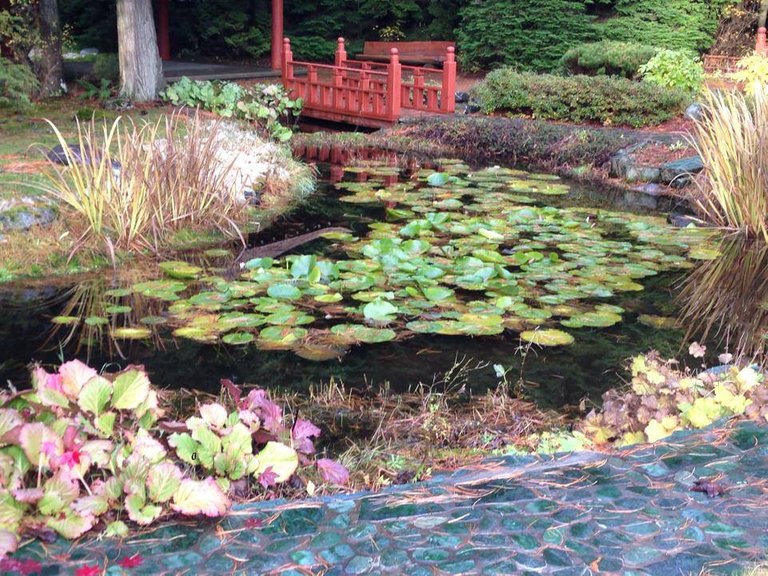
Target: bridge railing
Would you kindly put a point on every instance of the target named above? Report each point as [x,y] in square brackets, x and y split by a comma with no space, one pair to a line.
[378,92]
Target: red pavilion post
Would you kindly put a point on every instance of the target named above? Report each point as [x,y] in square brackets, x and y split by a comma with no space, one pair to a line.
[277,34]
[163,25]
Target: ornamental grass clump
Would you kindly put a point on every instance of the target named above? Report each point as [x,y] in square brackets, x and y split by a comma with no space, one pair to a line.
[131,187]
[732,140]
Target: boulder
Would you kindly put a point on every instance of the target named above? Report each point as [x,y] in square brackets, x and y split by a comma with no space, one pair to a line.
[694,112]
[680,172]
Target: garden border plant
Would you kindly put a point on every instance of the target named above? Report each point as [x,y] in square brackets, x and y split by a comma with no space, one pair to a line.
[83,450]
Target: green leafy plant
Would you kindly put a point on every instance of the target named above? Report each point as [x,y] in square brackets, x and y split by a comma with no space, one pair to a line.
[607,58]
[17,84]
[661,399]
[267,106]
[752,69]
[102,92]
[677,69]
[81,450]
[731,138]
[579,98]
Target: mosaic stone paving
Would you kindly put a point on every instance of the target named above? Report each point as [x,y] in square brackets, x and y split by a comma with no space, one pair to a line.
[632,512]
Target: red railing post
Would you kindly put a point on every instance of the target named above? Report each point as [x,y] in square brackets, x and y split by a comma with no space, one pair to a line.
[761,46]
[287,63]
[448,93]
[341,52]
[394,81]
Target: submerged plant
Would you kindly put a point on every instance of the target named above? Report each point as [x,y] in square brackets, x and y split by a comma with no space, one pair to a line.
[83,449]
[732,140]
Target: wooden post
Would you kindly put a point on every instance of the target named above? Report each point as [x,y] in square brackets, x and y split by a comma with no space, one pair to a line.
[394,81]
[341,52]
[287,60]
[761,46]
[277,32]
[448,93]
[163,35]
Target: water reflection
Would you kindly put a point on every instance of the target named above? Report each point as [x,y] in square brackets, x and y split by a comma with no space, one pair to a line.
[725,300]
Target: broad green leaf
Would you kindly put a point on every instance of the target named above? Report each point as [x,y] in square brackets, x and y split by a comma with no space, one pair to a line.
[284,292]
[186,447]
[59,492]
[11,512]
[238,441]
[36,437]
[163,481]
[200,497]
[105,423]
[141,512]
[130,389]
[71,526]
[438,179]
[95,395]
[281,459]
[116,529]
[91,505]
[209,446]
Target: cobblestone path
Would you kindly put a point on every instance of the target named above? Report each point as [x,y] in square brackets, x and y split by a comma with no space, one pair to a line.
[631,512]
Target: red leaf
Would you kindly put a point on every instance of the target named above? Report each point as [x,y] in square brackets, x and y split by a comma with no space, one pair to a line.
[232,389]
[270,413]
[88,570]
[332,471]
[268,478]
[131,561]
[304,429]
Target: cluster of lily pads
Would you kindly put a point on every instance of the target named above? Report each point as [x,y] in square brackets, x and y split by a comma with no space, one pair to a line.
[663,398]
[459,252]
[83,450]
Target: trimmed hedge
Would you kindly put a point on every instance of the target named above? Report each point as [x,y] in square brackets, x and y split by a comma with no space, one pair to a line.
[603,99]
[607,58]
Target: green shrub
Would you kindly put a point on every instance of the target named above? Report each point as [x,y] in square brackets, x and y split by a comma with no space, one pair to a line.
[521,33]
[17,84]
[106,67]
[579,98]
[674,69]
[679,24]
[607,58]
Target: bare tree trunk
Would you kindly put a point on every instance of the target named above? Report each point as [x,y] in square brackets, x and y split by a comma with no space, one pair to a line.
[51,67]
[141,70]
[763,14]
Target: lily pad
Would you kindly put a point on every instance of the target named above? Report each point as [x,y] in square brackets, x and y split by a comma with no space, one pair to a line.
[357,333]
[550,337]
[284,292]
[127,333]
[238,338]
[181,270]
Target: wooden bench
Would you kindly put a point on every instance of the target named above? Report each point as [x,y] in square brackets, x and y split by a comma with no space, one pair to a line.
[431,53]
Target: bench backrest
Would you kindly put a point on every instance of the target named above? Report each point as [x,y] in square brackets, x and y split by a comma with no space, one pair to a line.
[436,48]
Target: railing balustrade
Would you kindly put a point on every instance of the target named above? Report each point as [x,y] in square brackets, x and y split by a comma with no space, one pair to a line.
[368,93]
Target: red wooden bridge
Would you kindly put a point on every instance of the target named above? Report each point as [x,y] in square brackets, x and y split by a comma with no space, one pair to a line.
[369,93]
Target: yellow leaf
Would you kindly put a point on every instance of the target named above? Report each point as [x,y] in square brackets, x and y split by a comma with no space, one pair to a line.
[656,431]
[748,379]
[630,438]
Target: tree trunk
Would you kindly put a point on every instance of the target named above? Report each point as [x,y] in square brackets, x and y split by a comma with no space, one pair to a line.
[141,70]
[761,18]
[51,67]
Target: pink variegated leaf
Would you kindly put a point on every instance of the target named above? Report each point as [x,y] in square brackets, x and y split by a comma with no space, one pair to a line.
[74,374]
[332,471]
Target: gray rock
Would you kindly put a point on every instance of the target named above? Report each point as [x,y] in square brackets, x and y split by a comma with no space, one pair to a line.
[24,217]
[89,51]
[679,173]
[642,173]
[652,189]
[471,109]
[694,112]
[462,97]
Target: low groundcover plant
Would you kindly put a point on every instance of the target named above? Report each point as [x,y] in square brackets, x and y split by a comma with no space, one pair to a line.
[84,451]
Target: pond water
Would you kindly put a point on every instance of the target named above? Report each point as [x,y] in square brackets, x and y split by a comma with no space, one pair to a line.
[446,272]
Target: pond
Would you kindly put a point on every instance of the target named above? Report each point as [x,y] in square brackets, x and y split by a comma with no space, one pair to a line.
[448,275]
